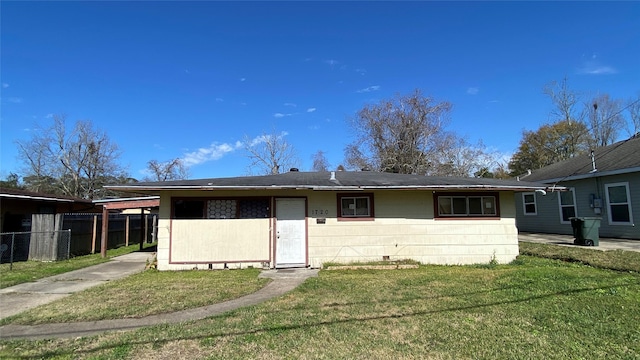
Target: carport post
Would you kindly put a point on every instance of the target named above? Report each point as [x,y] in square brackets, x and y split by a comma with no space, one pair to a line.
[142,227]
[105,231]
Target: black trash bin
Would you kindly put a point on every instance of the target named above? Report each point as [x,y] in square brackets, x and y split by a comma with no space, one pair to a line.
[586,230]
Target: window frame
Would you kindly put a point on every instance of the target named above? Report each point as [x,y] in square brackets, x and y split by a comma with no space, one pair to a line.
[371,207]
[561,206]
[628,203]
[466,196]
[525,203]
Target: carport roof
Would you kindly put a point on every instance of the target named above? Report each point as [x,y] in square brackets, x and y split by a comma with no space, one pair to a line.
[338,180]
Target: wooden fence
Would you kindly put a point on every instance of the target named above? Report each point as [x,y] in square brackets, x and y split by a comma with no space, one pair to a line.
[57,236]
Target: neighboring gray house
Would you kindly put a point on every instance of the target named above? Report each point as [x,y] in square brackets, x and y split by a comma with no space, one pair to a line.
[605,184]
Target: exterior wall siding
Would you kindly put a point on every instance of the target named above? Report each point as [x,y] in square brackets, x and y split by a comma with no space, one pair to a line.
[403,228]
[548,219]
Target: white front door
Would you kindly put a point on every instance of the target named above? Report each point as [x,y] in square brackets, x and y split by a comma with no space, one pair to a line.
[291,233]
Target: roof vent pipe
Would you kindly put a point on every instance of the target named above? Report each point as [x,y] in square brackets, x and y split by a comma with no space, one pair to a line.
[333,175]
[593,162]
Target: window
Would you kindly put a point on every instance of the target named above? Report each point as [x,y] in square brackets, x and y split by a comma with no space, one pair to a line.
[221,208]
[529,203]
[358,206]
[619,204]
[466,205]
[567,200]
[188,209]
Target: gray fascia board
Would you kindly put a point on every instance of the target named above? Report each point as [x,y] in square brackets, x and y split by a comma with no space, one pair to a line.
[336,188]
[126,199]
[36,198]
[591,175]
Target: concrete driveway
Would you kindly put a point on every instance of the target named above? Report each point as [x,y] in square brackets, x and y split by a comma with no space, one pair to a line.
[567,240]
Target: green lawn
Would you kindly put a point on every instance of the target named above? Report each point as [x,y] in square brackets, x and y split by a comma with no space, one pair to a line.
[535,308]
[26,271]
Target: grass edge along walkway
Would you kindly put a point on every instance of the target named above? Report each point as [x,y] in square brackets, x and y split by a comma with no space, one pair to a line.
[28,271]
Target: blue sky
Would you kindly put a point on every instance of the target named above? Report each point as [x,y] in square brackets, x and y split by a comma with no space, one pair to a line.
[195,79]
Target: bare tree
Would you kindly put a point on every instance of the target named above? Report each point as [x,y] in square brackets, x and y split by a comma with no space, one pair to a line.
[466,160]
[404,135]
[320,162]
[605,120]
[564,101]
[75,163]
[565,110]
[167,170]
[270,154]
[633,108]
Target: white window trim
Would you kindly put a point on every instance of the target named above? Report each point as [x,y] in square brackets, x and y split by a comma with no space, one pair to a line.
[606,192]
[524,204]
[575,207]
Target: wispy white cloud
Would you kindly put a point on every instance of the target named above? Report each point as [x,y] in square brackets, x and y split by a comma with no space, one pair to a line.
[290,104]
[219,100]
[332,62]
[369,89]
[361,71]
[310,110]
[472,90]
[214,152]
[280,115]
[5,85]
[243,79]
[15,100]
[264,138]
[49,116]
[593,66]
[594,69]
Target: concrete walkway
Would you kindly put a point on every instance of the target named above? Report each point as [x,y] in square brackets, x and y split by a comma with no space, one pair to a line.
[18,298]
[49,289]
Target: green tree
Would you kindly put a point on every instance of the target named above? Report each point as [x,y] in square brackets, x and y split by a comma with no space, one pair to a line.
[12,181]
[549,144]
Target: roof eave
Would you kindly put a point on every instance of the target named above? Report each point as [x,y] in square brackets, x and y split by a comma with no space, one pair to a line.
[591,174]
[333,188]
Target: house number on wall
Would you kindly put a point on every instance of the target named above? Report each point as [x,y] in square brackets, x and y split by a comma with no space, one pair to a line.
[319,212]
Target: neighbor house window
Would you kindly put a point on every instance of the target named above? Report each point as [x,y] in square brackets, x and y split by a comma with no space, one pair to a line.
[239,208]
[352,206]
[619,204]
[529,203]
[567,200]
[467,205]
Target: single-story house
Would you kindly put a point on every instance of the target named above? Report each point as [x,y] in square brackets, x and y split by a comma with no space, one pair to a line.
[306,219]
[603,184]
